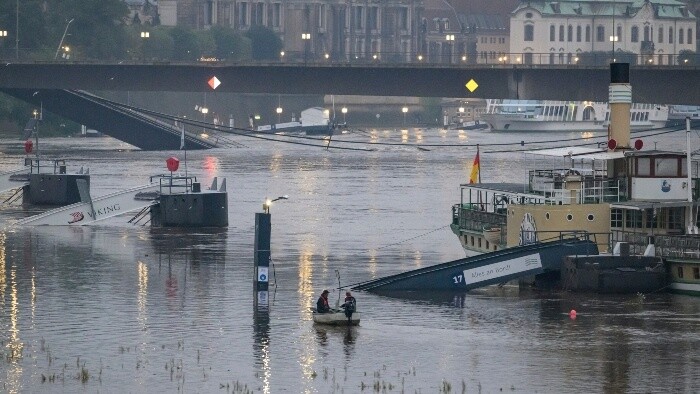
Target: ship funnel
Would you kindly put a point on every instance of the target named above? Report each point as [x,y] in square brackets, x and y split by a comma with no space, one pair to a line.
[620,101]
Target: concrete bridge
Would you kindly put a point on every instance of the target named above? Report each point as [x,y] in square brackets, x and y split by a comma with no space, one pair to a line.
[651,84]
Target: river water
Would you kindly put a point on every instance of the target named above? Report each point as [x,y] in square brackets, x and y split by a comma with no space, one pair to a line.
[117,307]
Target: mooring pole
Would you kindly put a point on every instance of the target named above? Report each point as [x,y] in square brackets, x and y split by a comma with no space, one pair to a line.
[263,228]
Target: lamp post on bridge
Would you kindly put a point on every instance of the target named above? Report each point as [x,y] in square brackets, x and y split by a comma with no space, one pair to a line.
[63,37]
[145,35]
[306,37]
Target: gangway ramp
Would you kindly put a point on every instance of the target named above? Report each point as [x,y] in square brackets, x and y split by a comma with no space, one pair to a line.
[485,269]
[89,210]
[14,179]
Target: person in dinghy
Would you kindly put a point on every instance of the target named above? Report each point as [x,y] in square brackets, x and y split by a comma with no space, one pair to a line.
[350,305]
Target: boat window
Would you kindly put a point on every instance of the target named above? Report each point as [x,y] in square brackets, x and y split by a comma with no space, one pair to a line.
[675,218]
[680,271]
[684,168]
[696,272]
[643,166]
[667,166]
[546,215]
[569,217]
[616,218]
[590,217]
[633,219]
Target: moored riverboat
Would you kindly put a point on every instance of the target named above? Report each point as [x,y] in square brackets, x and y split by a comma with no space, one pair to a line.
[646,200]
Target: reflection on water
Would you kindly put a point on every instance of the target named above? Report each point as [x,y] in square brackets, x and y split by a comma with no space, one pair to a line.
[122,308]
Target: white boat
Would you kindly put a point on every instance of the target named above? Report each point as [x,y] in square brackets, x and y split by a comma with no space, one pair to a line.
[678,113]
[313,120]
[336,318]
[543,115]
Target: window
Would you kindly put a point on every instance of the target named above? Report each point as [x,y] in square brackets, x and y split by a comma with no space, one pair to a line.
[569,217]
[403,18]
[600,33]
[259,14]
[690,36]
[651,219]
[635,34]
[322,16]
[590,217]
[696,272]
[561,32]
[643,166]
[588,33]
[633,219]
[373,18]
[670,35]
[358,13]
[578,33]
[646,33]
[681,36]
[661,35]
[675,218]
[243,14]
[276,14]
[529,33]
[619,33]
[552,33]
[570,33]
[680,271]
[666,166]
[446,24]
[616,218]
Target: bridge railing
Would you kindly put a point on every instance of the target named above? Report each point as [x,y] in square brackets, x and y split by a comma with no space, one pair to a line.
[9,55]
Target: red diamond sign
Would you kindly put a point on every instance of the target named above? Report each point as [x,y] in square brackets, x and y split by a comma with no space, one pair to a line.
[214,82]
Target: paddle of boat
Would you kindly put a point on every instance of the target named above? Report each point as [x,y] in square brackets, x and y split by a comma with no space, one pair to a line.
[336,318]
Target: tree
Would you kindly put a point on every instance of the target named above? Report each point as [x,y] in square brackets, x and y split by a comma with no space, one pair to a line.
[687,57]
[97,27]
[185,44]
[265,44]
[230,45]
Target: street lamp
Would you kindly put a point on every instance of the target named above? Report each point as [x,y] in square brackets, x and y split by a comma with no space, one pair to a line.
[268,202]
[306,37]
[344,110]
[279,113]
[144,36]
[405,111]
[66,52]
[60,44]
[450,40]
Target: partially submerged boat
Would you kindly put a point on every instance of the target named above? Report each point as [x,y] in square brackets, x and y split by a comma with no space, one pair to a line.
[336,317]
[313,121]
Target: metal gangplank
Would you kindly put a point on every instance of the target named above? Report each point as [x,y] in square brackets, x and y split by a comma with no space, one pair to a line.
[89,210]
[485,269]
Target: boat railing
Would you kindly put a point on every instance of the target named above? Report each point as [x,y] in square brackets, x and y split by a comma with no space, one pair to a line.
[45,166]
[677,246]
[591,186]
[476,217]
[172,184]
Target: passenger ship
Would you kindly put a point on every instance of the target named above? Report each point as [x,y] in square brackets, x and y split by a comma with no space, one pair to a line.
[646,199]
[536,115]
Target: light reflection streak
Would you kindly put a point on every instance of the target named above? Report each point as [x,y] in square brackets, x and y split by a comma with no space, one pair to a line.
[14,345]
[142,296]
[305,286]
[211,167]
[462,135]
[586,135]
[276,162]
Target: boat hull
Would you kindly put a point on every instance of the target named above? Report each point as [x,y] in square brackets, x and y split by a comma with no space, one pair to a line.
[336,319]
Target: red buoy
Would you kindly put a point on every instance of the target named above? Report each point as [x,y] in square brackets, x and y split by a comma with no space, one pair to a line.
[638,144]
[173,163]
[572,314]
[612,144]
[28,146]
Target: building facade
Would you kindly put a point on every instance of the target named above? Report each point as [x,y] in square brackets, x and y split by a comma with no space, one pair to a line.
[559,32]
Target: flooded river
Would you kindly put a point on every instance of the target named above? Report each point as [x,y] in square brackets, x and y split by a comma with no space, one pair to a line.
[117,308]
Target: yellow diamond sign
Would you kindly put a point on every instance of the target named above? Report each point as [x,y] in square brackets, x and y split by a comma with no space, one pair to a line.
[472,85]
